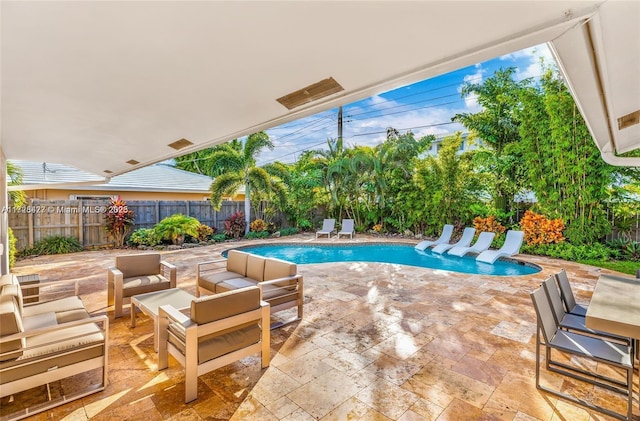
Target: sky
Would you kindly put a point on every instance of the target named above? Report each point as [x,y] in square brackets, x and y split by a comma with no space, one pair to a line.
[424,107]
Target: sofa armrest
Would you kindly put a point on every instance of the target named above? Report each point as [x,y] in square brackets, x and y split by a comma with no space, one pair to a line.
[297,278]
[51,290]
[211,265]
[97,320]
[114,283]
[171,269]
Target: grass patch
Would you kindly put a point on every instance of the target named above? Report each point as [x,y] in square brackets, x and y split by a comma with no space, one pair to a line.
[627,267]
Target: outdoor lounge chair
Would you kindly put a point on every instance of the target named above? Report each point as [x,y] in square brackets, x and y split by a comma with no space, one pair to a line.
[221,329]
[464,241]
[586,347]
[511,247]
[567,295]
[328,226]
[447,232]
[347,228]
[482,243]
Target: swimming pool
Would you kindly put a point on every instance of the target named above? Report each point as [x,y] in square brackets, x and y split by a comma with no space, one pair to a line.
[403,254]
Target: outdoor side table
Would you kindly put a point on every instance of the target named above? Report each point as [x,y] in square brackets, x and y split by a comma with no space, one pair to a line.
[150,303]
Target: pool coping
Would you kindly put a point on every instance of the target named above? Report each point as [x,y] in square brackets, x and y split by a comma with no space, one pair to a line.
[368,244]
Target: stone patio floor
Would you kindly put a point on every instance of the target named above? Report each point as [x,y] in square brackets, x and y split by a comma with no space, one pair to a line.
[377,342]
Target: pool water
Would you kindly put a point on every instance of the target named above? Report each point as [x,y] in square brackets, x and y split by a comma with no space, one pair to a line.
[402,254]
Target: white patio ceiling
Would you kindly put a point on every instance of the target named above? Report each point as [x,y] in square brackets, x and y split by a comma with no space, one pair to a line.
[106,86]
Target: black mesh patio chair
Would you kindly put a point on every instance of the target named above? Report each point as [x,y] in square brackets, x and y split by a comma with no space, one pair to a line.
[568,298]
[549,335]
[573,322]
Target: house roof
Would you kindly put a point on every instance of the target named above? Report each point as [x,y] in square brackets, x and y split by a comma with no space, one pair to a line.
[109,87]
[154,178]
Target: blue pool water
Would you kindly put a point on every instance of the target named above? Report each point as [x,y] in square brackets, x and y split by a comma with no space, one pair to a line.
[387,253]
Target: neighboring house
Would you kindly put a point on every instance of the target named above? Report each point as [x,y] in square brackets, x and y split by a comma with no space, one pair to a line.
[466,145]
[155,182]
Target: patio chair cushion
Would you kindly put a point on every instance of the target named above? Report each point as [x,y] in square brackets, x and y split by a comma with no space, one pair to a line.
[211,308]
[10,323]
[255,267]
[142,284]
[66,309]
[218,344]
[62,347]
[275,269]
[210,281]
[237,262]
[139,264]
[233,284]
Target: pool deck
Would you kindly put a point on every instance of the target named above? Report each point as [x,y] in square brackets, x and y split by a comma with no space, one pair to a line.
[377,342]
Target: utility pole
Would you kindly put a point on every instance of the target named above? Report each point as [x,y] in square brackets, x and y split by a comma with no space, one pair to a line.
[340,122]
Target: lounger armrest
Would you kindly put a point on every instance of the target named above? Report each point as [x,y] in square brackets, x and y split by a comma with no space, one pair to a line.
[168,271]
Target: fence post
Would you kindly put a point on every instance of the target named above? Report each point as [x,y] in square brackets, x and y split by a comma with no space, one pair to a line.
[81,222]
[188,209]
[157,211]
[30,225]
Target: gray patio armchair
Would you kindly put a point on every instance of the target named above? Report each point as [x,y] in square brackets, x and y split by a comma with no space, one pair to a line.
[573,322]
[220,329]
[604,352]
[137,274]
[566,293]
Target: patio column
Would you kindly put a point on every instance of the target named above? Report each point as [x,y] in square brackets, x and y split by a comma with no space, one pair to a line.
[4,219]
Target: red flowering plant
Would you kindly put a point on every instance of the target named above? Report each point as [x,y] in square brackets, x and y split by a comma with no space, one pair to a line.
[119,220]
[538,229]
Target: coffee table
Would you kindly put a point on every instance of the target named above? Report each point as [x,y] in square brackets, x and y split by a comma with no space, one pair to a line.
[150,303]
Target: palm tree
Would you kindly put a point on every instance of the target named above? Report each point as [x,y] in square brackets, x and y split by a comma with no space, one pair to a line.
[234,165]
[14,173]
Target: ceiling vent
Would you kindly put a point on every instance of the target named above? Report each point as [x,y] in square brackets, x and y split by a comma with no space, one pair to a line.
[179,144]
[108,171]
[629,120]
[310,93]
[133,162]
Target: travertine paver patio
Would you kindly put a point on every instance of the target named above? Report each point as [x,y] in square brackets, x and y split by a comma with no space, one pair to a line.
[378,341]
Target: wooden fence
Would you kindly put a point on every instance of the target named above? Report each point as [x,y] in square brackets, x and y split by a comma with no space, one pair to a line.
[84,219]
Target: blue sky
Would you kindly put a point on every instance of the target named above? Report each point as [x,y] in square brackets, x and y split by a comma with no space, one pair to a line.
[424,108]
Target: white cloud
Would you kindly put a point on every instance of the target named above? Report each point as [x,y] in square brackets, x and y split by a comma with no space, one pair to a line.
[471,101]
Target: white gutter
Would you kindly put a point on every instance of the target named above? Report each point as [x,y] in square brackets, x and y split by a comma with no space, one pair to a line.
[25,187]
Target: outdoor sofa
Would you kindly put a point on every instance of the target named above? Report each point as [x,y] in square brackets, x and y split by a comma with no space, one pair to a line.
[280,284]
[47,341]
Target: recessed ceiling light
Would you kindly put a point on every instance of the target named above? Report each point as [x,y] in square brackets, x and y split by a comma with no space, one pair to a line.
[310,93]
[179,144]
[108,171]
[629,120]
[133,162]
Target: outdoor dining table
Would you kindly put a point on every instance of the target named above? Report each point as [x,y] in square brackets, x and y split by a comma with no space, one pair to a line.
[615,308]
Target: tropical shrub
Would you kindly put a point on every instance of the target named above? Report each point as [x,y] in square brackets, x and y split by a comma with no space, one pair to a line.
[234,226]
[218,238]
[258,225]
[252,235]
[119,220]
[56,244]
[538,229]
[144,237]
[489,224]
[568,251]
[12,248]
[205,232]
[176,227]
[288,231]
